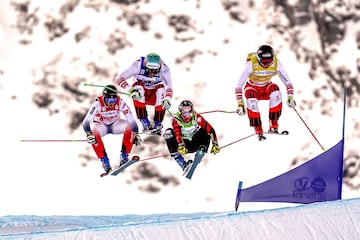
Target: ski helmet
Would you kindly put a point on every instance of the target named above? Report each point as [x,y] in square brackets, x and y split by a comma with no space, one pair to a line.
[152,63]
[185,106]
[186,110]
[265,54]
[110,94]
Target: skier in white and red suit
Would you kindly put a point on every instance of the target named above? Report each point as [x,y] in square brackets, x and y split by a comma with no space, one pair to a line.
[110,114]
[259,69]
[152,85]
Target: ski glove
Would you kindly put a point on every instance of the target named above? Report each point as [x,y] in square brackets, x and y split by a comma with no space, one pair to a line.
[182,149]
[241,108]
[137,139]
[291,102]
[134,94]
[90,138]
[166,104]
[215,148]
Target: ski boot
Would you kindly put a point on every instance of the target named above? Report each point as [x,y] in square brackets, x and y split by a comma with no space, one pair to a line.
[157,129]
[261,137]
[124,158]
[179,159]
[146,124]
[274,130]
[106,164]
[274,126]
[260,133]
[187,166]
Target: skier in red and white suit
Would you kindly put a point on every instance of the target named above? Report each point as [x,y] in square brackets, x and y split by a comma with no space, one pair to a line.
[260,67]
[104,117]
[152,86]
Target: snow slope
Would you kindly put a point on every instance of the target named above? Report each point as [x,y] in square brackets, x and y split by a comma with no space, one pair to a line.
[329,220]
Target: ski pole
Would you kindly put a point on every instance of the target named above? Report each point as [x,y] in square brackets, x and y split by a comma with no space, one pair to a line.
[52,140]
[226,145]
[149,158]
[221,111]
[309,129]
[102,86]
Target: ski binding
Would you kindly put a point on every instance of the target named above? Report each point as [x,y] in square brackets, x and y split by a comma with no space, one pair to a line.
[121,168]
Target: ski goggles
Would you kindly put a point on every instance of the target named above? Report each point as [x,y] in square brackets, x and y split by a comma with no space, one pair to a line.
[186,116]
[266,60]
[153,71]
[186,109]
[110,100]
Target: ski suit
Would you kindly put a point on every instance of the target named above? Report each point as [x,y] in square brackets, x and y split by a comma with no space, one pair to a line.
[258,86]
[102,120]
[153,89]
[194,134]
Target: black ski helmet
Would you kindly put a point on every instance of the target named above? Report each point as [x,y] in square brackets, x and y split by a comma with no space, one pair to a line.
[109,91]
[185,103]
[265,54]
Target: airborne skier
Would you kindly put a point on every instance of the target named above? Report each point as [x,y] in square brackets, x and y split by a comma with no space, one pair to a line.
[260,67]
[190,133]
[104,117]
[152,86]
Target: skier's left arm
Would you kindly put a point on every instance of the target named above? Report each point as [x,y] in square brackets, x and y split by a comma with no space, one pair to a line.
[166,77]
[131,120]
[284,76]
[129,116]
[211,131]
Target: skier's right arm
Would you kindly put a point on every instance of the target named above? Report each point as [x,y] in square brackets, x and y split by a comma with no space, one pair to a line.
[121,78]
[89,117]
[239,88]
[178,136]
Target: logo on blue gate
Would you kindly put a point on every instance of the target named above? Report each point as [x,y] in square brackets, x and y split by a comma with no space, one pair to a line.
[312,189]
[303,183]
[318,185]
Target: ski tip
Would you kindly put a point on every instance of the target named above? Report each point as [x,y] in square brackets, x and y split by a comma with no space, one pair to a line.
[136,158]
[285,132]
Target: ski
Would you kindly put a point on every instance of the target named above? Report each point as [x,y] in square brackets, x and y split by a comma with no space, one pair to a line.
[152,132]
[133,160]
[198,156]
[116,171]
[284,132]
[188,166]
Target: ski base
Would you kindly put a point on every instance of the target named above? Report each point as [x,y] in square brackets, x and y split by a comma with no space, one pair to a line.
[193,166]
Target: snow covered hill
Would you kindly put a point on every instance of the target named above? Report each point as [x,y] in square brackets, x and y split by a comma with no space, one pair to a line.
[330,220]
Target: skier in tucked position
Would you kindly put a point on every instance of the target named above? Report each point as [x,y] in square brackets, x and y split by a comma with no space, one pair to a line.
[190,133]
[259,69]
[104,117]
[152,85]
